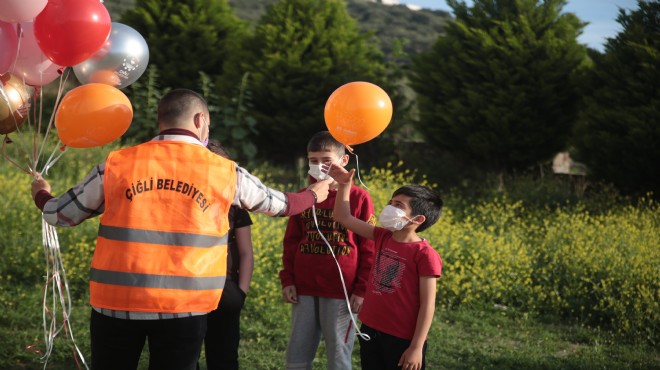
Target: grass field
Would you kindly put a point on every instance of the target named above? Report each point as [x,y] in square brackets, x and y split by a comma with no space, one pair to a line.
[527,283]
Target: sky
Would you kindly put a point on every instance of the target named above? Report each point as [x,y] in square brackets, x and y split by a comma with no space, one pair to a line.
[601,15]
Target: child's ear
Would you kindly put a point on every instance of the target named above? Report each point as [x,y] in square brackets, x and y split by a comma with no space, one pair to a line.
[344,160]
[419,219]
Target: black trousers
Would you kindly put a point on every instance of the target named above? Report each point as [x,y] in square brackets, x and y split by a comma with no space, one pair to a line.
[174,344]
[223,332]
[383,351]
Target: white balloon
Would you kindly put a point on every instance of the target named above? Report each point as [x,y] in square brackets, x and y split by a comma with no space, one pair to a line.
[120,61]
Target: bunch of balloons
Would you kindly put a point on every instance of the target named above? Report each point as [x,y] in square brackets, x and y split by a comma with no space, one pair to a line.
[357,112]
[39,40]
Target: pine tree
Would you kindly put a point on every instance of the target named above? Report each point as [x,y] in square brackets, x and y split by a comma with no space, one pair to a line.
[498,88]
[186,37]
[301,52]
[619,132]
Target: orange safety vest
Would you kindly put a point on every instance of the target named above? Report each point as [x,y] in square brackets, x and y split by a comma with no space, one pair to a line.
[162,241]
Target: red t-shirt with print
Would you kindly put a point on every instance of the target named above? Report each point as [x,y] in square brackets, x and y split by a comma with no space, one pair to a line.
[391,303]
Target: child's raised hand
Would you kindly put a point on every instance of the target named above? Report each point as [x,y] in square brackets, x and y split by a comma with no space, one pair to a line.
[339,173]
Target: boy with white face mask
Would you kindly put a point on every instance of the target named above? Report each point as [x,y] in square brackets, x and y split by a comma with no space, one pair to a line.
[400,301]
[310,277]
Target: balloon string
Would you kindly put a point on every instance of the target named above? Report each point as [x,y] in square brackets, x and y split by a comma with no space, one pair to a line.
[56,278]
[51,161]
[341,277]
[357,164]
[63,77]
[6,140]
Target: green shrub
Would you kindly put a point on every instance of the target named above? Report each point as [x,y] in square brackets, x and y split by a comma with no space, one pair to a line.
[591,268]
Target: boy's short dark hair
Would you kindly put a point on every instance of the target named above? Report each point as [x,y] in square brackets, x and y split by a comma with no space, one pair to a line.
[424,201]
[323,141]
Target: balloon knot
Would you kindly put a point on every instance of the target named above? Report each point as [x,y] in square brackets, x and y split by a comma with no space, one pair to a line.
[348,147]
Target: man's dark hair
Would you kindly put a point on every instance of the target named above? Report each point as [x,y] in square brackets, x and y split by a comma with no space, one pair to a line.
[177,104]
[424,201]
[323,141]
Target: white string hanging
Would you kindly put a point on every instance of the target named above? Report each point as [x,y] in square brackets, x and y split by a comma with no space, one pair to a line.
[357,165]
[57,288]
[341,276]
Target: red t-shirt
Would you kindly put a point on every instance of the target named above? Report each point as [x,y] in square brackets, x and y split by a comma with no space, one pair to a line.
[391,304]
[307,261]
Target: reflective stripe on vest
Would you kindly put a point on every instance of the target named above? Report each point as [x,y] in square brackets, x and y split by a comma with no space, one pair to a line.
[156,281]
[162,242]
[160,237]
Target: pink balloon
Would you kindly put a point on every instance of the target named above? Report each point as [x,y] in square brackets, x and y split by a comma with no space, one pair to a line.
[8,45]
[21,10]
[32,65]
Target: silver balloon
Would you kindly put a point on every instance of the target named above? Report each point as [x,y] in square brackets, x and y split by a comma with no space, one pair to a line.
[120,61]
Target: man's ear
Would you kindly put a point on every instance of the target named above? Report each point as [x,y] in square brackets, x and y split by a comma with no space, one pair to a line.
[197,119]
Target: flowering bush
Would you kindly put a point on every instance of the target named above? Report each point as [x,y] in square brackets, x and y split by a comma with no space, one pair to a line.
[600,269]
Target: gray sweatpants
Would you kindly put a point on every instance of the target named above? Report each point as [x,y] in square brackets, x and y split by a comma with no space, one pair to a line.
[311,317]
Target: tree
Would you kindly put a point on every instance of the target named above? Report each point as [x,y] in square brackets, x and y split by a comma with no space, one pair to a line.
[186,37]
[301,52]
[498,88]
[619,132]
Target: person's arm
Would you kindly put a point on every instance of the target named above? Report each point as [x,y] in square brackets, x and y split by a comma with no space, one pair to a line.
[342,209]
[246,264]
[412,356]
[366,252]
[253,195]
[83,201]
[292,237]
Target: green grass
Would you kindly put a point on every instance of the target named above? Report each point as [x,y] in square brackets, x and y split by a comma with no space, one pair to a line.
[459,339]
[576,282]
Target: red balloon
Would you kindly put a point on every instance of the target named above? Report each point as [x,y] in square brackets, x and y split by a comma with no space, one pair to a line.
[70,31]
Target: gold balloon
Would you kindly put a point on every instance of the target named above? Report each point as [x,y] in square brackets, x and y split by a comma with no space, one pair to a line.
[14,103]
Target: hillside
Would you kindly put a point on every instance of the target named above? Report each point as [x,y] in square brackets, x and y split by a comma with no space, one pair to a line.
[415,30]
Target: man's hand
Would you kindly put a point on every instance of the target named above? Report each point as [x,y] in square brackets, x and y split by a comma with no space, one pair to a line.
[339,173]
[290,295]
[320,188]
[39,184]
[356,303]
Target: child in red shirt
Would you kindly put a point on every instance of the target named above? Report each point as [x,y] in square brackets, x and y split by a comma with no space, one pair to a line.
[310,277]
[400,301]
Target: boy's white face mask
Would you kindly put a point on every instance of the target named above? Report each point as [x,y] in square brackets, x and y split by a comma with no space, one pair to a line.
[316,172]
[393,219]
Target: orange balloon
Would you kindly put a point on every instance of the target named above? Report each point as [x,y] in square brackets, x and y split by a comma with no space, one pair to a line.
[357,112]
[92,115]
[14,103]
